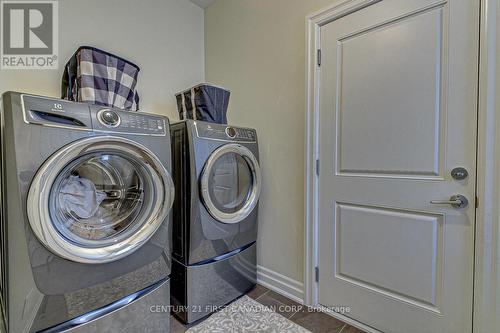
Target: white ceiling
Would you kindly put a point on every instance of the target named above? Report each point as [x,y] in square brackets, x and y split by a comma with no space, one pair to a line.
[203,3]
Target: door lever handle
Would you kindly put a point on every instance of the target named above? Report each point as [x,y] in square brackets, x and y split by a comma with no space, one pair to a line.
[456,201]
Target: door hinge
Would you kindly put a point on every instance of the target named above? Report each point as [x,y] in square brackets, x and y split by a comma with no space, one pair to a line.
[318,57]
[317,167]
[316,274]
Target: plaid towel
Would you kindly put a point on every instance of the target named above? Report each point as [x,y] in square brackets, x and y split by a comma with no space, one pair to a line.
[98,77]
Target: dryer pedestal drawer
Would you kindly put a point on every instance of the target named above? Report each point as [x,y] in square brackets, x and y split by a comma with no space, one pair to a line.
[149,312]
[202,289]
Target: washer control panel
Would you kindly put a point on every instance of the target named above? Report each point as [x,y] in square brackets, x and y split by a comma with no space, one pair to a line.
[121,121]
[225,132]
[53,112]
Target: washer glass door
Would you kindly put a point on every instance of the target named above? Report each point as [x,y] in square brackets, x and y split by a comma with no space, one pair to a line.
[231,183]
[99,199]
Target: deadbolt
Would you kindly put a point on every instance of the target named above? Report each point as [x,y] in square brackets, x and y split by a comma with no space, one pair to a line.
[459,173]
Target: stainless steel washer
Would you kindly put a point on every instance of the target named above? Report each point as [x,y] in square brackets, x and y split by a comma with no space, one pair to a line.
[86,199]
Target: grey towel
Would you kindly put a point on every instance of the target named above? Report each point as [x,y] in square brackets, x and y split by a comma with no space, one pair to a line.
[79,195]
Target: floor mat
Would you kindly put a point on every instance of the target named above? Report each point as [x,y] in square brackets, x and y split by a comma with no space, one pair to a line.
[247,316]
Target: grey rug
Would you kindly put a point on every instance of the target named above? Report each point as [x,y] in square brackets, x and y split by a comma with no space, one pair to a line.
[247,316]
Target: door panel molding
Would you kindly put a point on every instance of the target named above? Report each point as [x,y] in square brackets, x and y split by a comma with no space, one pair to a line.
[422,290]
[428,164]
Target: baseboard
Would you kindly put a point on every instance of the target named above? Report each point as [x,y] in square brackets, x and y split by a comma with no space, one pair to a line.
[281,284]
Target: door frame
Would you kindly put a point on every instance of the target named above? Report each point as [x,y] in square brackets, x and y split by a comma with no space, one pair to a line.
[487,232]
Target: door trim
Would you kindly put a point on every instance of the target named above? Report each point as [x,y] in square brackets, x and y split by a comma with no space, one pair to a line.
[314,22]
[487,245]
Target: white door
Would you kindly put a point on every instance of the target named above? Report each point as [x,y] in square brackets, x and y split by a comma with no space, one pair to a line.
[398,86]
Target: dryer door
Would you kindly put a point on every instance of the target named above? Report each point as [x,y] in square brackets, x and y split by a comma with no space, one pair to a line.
[231,183]
[99,199]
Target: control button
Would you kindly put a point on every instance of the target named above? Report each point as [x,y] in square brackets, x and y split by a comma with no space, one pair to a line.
[109,118]
[231,132]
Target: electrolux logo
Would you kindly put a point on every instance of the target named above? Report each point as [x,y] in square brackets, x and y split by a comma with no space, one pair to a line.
[29,32]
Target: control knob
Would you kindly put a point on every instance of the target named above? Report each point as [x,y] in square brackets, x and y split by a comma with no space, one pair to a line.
[109,118]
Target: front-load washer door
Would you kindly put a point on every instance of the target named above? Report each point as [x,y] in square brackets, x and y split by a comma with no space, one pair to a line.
[99,199]
[231,183]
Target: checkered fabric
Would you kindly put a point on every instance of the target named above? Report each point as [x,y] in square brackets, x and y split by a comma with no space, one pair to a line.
[98,77]
[204,102]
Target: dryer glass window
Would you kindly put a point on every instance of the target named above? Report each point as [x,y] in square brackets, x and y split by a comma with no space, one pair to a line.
[230,182]
[98,199]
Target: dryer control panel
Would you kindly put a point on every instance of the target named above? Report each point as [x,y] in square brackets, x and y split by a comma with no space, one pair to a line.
[225,132]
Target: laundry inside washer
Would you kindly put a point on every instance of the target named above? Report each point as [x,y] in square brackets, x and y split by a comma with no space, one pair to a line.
[79,198]
[99,196]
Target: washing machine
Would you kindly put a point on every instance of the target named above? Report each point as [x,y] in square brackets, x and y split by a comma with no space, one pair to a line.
[218,183]
[85,219]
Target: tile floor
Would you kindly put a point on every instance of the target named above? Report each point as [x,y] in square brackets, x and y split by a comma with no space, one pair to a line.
[316,322]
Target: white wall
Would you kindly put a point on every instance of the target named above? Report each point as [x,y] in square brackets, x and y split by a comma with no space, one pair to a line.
[256,48]
[164,37]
